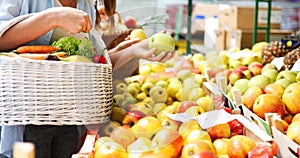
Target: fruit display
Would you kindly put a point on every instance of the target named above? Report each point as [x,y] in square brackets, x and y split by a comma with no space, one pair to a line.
[141,125]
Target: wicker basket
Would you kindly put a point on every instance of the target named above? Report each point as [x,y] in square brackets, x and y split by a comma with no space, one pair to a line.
[54,92]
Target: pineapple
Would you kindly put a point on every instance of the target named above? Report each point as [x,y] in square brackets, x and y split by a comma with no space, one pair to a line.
[291,57]
[272,50]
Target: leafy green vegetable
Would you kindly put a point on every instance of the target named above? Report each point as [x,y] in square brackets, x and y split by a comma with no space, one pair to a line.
[73,46]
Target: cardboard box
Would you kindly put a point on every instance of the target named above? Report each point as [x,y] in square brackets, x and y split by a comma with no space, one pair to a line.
[237,17]
[221,39]
[242,38]
[201,12]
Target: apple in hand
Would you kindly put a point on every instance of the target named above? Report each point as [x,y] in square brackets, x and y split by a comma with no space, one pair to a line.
[167,141]
[162,42]
[123,135]
[132,117]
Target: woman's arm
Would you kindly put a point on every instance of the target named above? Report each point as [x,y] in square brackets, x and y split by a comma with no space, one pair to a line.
[69,19]
[137,51]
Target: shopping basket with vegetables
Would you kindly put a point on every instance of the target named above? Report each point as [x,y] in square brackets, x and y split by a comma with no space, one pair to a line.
[53,91]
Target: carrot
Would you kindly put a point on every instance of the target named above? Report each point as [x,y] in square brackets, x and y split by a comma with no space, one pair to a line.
[37,49]
[60,54]
[34,56]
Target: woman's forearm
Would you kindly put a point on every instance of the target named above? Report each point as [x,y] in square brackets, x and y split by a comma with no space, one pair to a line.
[121,57]
[27,30]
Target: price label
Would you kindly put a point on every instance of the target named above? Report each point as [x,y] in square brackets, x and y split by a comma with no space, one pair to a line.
[278,62]
[296,66]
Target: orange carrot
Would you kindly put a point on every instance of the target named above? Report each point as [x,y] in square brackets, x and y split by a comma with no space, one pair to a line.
[34,56]
[60,54]
[37,49]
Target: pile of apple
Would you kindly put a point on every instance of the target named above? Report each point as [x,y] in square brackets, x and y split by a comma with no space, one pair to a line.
[140,125]
[265,89]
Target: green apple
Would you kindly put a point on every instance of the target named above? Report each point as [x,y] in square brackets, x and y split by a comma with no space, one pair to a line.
[196,93]
[174,87]
[298,77]
[259,80]
[184,74]
[242,85]
[146,87]
[271,73]
[121,88]
[291,76]
[162,42]
[162,83]
[268,66]
[234,63]
[284,82]
[158,94]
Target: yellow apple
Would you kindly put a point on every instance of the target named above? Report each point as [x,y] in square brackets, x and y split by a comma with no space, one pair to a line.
[186,127]
[221,146]
[194,147]
[138,147]
[123,135]
[146,127]
[196,134]
[274,88]
[291,98]
[239,146]
[167,141]
[206,103]
[293,131]
[268,103]
[250,95]
[138,33]
[111,149]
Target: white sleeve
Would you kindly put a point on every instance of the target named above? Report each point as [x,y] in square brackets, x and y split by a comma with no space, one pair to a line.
[6,25]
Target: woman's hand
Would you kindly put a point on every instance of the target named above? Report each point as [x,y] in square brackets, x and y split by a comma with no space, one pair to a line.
[141,50]
[71,19]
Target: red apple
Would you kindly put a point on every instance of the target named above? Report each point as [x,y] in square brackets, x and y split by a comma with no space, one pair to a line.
[123,135]
[255,68]
[132,117]
[185,105]
[169,123]
[130,22]
[235,75]
[248,74]
[241,68]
